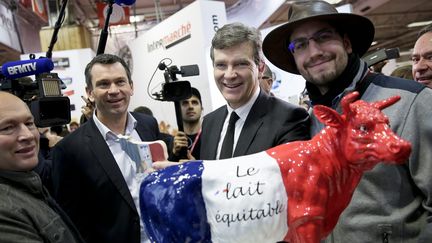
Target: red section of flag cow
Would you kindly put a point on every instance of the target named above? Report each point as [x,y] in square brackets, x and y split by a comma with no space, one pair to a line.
[321,174]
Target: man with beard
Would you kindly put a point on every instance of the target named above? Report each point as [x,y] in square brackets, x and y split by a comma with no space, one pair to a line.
[251,121]
[391,203]
[189,139]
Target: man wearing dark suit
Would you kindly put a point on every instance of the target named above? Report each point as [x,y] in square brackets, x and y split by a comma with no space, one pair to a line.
[94,180]
[264,121]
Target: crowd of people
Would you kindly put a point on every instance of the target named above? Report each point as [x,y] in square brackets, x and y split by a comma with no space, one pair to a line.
[84,186]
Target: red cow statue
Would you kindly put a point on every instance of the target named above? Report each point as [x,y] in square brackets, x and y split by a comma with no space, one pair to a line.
[183,203]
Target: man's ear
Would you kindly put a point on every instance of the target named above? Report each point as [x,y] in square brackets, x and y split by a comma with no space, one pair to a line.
[261,67]
[132,87]
[347,44]
[89,92]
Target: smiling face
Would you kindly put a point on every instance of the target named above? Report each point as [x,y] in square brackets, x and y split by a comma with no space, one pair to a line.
[19,137]
[236,74]
[321,63]
[422,60]
[111,91]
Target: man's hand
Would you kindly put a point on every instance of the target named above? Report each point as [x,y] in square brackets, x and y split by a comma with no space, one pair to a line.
[180,141]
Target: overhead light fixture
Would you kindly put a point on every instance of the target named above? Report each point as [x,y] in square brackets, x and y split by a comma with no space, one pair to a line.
[137,18]
[417,24]
[333,1]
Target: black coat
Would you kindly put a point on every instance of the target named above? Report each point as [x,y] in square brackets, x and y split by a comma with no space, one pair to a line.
[89,186]
[271,122]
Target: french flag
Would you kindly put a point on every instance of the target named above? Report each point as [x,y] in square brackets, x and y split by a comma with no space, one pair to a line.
[241,199]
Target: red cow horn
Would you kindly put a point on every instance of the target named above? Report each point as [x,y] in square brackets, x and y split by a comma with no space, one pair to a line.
[382,104]
[347,100]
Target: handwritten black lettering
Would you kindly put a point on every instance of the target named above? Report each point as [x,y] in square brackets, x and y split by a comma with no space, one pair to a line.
[250,214]
[235,192]
[249,172]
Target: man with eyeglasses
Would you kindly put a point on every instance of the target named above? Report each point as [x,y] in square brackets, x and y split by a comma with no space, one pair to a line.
[251,121]
[266,80]
[391,203]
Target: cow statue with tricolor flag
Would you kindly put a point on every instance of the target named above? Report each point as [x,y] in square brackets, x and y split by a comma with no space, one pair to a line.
[294,192]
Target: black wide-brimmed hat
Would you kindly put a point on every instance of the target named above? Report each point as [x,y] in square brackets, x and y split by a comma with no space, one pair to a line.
[359,29]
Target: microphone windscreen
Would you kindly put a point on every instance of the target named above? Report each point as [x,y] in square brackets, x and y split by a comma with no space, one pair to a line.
[124,2]
[189,70]
[18,69]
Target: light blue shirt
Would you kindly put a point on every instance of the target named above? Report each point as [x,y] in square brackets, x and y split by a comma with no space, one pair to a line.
[126,165]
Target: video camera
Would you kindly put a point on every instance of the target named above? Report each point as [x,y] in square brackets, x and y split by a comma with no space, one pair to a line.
[381,55]
[43,96]
[173,89]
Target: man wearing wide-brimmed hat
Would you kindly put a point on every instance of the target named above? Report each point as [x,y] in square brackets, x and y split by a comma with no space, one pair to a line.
[391,203]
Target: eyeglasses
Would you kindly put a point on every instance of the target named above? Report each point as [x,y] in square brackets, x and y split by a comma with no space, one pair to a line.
[301,44]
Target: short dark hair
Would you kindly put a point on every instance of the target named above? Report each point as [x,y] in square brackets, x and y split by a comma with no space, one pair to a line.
[237,33]
[197,94]
[144,110]
[425,30]
[105,59]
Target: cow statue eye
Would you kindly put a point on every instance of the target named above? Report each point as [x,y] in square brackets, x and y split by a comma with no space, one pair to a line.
[363,128]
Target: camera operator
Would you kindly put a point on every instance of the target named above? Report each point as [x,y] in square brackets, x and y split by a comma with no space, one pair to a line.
[191,110]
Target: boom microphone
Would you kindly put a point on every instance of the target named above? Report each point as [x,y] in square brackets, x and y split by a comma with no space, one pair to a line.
[18,69]
[124,2]
[189,70]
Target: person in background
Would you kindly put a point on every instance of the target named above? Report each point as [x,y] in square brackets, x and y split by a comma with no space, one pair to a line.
[73,126]
[87,110]
[391,203]
[189,139]
[95,178]
[422,57]
[144,110]
[404,72]
[27,212]
[167,138]
[251,121]
[266,80]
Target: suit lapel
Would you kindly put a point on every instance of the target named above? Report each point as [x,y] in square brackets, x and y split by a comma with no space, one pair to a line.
[252,124]
[216,125]
[102,153]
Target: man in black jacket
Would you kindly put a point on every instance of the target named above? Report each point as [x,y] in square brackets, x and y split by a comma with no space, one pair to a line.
[94,179]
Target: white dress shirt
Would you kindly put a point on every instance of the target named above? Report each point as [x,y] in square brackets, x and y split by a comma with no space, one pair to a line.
[242,112]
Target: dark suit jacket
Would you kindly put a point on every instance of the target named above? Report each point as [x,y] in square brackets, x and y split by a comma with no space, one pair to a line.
[271,122]
[89,186]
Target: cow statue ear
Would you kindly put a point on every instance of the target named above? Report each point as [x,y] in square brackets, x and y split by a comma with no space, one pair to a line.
[327,116]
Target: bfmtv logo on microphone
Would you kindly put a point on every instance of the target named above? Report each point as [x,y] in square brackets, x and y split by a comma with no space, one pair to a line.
[44,97]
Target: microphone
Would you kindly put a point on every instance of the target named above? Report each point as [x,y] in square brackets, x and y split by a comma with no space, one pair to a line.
[189,70]
[124,2]
[18,69]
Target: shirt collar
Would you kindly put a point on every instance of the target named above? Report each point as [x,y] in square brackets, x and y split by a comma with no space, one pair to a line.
[243,111]
[108,134]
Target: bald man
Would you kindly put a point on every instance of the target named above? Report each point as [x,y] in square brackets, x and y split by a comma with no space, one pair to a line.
[422,57]
[27,212]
